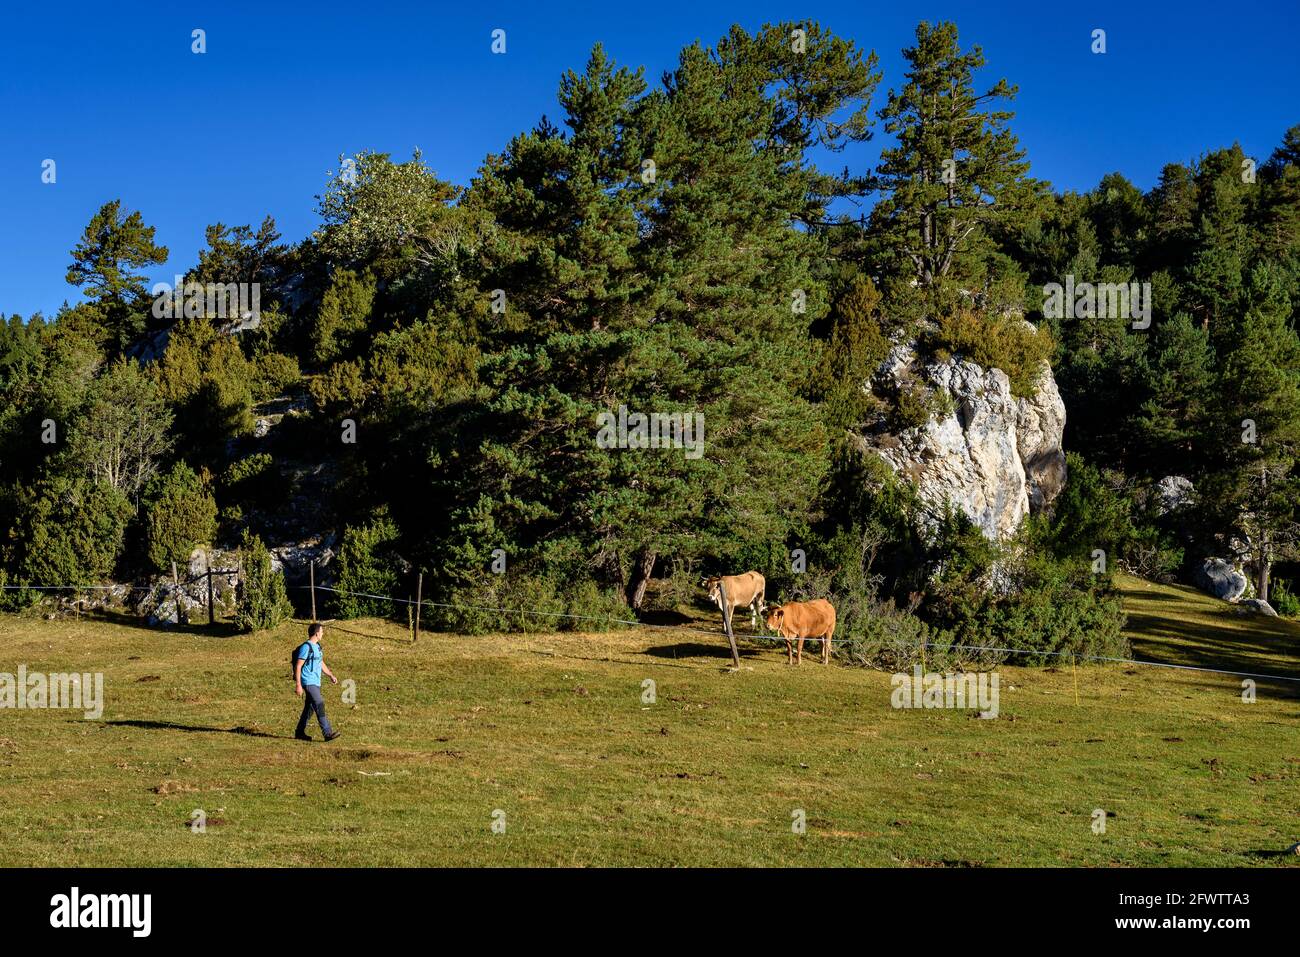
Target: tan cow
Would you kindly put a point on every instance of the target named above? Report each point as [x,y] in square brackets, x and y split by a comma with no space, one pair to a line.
[747,589]
[802,620]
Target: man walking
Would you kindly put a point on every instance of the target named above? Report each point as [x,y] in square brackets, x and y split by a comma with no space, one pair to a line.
[308,663]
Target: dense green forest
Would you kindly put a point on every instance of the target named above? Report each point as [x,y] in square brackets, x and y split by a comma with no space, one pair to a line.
[435,358]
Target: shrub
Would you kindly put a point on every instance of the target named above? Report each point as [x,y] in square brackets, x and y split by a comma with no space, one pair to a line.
[522,602]
[66,531]
[490,604]
[262,601]
[856,347]
[253,480]
[209,383]
[915,406]
[593,608]
[1098,509]
[368,563]
[14,597]
[1019,597]
[181,514]
[273,374]
[911,410]
[1284,601]
[344,311]
[1008,343]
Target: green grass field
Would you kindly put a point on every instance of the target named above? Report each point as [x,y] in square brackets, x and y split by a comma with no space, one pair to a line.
[552,731]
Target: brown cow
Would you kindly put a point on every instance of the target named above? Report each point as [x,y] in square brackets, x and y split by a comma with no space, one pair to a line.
[747,589]
[802,620]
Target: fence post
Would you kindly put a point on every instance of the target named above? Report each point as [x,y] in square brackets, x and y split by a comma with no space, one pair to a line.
[212,605]
[726,622]
[419,598]
[312,573]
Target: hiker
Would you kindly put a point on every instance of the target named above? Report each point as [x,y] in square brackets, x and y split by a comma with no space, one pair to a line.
[308,663]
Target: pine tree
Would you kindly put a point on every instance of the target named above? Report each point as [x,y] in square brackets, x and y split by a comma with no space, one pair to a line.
[1257,486]
[957,168]
[1173,421]
[113,246]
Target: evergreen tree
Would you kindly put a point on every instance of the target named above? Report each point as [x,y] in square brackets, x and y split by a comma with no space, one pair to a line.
[105,262]
[262,600]
[956,169]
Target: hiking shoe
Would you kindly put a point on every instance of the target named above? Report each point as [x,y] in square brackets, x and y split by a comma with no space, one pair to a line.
[332,735]
[303,737]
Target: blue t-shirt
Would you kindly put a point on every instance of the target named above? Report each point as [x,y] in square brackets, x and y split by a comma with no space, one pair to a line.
[311,667]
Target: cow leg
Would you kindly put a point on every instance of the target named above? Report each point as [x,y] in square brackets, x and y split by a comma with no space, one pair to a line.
[800,658]
[789,652]
[826,649]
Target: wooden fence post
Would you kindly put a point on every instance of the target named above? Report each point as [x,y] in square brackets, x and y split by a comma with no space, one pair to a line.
[419,598]
[312,573]
[726,622]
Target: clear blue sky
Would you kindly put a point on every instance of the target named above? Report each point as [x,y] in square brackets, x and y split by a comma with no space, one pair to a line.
[112,92]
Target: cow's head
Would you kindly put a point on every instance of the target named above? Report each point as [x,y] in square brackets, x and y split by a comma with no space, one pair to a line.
[713,588]
[774,616]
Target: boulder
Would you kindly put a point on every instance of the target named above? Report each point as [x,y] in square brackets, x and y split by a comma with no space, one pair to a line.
[1221,579]
[994,456]
[1259,605]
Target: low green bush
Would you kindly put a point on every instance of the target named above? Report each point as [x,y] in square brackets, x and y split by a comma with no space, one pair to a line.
[1284,601]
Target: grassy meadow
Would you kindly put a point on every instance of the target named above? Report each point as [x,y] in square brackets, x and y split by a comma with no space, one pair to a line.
[551,731]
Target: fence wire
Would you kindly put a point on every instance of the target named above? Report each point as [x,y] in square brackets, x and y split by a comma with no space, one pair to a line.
[923,647]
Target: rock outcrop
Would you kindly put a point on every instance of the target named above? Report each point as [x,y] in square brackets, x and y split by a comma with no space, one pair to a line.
[994,456]
[1174,492]
[1221,579]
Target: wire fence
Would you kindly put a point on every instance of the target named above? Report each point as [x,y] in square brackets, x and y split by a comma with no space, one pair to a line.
[923,647]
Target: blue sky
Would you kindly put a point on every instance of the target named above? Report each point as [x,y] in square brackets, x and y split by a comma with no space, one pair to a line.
[114,95]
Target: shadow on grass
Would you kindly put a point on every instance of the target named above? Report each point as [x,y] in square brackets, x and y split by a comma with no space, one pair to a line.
[172,726]
[1145,595]
[331,626]
[697,649]
[1290,853]
[222,629]
[665,617]
[1258,645]
[592,658]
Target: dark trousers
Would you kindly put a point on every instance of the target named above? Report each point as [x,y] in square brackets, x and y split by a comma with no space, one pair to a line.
[312,701]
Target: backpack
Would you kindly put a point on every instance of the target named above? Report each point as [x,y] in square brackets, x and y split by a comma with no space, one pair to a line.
[294,659]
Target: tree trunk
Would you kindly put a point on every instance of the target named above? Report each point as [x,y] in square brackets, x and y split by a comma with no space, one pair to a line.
[1265,568]
[640,578]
